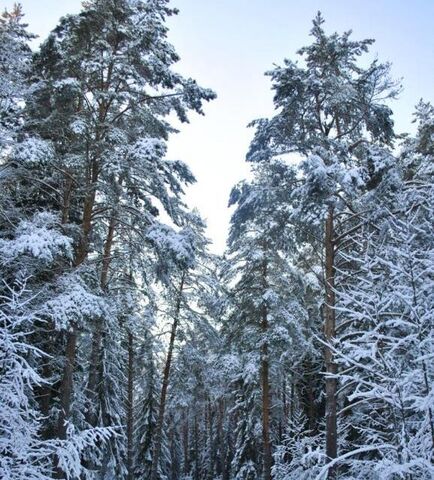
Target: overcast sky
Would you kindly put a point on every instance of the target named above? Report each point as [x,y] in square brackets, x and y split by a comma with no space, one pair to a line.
[228,44]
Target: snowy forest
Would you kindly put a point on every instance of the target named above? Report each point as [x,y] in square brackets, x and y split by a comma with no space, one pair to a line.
[128,349]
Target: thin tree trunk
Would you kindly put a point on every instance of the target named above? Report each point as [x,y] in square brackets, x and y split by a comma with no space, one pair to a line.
[212,449]
[220,446]
[196,448]
[67,382]
[186,444]
[130,407]
[329,332]
[66,392]
[311,408]
[95,370]
[166,374]
[266,413]
[265,383]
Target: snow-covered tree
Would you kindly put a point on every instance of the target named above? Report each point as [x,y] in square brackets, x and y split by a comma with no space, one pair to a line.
[266,318]
[184,271]
[15,60]
[332,118]
[23,453]
[385,347]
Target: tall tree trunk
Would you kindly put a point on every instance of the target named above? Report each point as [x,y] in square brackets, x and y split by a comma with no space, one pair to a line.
[66,386]
[196,448]
[130,407]
[220,454]
[66,394]
[211,442]
[265,383]
[329,332]
[166,375]
[95,370]
[67,382]
[311,407]
[186,443]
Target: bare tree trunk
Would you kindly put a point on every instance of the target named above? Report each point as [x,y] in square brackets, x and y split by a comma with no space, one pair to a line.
[220,458]
[95,370]
[329,332]
[66,393]
[265,383]
[67,383]
[130,407]
[212,446]
[166,374]
[186,444]
[311,408]
[196,448]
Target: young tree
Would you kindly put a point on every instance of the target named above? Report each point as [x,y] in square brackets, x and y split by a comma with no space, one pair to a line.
[267,317]
[184,261]
[15,60]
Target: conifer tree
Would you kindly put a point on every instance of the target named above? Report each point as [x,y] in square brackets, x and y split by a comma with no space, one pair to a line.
[105,84]
[332,114]
[387,337]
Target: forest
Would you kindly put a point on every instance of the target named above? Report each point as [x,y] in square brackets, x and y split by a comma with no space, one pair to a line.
[128,349]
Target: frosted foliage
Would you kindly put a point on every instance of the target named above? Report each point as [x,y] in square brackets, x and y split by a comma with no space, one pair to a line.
[172,244]
[39,238]
[387,351]
[70,451]
[33,151]
[22,453]
[74,303]
[15,56]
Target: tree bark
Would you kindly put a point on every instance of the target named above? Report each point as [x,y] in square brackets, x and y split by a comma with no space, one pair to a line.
[130,408]
[186,443]
[67,383]
[95,370]
[66,387]
[265,383]
[329,332]
[165,384]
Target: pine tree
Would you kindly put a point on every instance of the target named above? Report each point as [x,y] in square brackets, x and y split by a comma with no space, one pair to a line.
[104,86]
[183,258]
[387,339]
[267,317]
[15,59]
[331,112]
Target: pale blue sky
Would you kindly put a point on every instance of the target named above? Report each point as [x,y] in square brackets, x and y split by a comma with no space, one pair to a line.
[228,44]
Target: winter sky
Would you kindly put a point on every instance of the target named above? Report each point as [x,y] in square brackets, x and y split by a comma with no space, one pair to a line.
[228,44]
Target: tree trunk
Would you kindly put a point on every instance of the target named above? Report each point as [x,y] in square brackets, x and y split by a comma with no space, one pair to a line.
[130,407]
[212,446]
[65,392]
[67,382]
[95,370]
[265,383]
[196,448]
[221,448]
[329,332]
[165,385]
[69,183]
[186,444]
[66,387]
